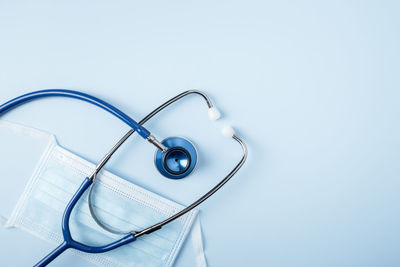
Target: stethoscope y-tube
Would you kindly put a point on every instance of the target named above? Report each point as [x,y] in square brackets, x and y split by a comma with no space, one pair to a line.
[131,236]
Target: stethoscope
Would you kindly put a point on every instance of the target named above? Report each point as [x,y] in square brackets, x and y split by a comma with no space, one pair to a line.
[175,158]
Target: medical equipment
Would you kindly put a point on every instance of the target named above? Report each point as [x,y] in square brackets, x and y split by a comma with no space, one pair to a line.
[175,158]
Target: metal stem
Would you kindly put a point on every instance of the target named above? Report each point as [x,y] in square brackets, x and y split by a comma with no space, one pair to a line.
[108,156]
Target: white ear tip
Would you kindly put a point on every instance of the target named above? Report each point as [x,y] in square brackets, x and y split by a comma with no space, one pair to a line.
[213,113]
[228,131]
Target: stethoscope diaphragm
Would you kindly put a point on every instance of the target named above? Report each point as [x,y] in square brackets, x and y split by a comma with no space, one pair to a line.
[179,160]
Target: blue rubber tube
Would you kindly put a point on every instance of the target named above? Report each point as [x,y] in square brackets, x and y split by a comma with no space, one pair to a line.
[143,132]
[69,242]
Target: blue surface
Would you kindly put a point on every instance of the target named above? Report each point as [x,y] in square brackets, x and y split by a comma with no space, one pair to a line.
[313,87]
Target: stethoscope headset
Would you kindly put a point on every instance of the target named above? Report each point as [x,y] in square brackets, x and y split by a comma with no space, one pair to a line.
[175,158]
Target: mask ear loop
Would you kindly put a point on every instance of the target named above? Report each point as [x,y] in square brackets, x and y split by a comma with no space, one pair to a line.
[213,114]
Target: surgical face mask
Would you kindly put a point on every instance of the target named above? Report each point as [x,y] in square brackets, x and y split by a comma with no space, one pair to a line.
[122,204]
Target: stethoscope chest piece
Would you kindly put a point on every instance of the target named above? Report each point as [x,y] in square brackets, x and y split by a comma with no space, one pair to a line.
[179,160]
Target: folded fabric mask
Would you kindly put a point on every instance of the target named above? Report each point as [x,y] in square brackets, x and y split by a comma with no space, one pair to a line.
[120,203]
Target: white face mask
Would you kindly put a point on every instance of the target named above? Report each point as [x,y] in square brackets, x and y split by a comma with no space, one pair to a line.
[122,204]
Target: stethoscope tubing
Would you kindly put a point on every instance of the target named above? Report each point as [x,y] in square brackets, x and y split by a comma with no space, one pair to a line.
[143,132]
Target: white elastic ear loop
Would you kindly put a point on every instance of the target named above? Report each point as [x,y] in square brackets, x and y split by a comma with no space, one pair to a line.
[213,113]
[228,131]
[197,239]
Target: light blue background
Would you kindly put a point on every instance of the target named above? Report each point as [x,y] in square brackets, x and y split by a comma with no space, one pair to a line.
[312,86]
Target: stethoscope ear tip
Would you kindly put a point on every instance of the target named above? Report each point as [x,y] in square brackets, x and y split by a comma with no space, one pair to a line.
[228,131]
[213,113]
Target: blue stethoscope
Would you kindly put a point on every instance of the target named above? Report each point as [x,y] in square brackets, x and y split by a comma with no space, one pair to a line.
[175,158]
